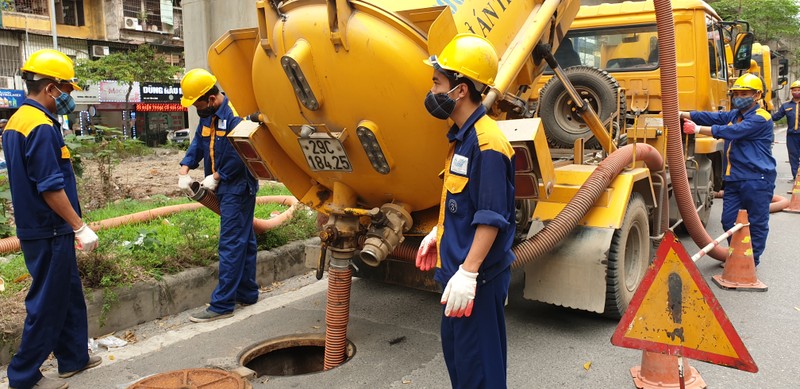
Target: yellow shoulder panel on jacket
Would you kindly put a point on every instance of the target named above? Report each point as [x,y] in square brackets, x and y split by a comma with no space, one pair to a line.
[491,138]
[26,119]
[764,114]
[233,109]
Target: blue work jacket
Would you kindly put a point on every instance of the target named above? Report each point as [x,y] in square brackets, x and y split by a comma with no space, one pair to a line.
[790,109]
[748,142]
[38,161]
[211,145]
[478,189]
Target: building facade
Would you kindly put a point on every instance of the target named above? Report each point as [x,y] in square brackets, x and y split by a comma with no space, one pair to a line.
[91,29]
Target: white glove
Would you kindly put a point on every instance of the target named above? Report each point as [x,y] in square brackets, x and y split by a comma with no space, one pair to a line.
[209,183]
[184,184]
[87,239]
[426,255]
[459,294]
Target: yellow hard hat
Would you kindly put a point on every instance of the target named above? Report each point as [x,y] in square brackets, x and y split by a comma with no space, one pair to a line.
[52,64]
[748,82]
[195,84]
[469,56]
[795,84]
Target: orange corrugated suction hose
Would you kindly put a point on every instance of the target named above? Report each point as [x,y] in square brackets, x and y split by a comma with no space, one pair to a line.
[669,97]
[337,315]
[11,244]
[587,195]
[777,204]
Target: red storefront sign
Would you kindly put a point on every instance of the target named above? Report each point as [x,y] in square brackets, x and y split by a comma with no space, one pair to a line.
[160,107]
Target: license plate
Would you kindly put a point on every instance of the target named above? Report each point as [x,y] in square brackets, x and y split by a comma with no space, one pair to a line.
[325,154]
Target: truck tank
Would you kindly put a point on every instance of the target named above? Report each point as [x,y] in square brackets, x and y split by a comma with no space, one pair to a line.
[340,88]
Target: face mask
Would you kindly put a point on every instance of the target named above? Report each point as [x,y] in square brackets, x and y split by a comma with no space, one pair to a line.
[64,103]
[440,105]
[742,102]
[206,112]
[796,95]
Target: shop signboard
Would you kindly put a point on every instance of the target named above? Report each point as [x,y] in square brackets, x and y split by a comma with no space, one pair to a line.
[155,92]
[89,95]
[11,98]
[114,91]
[160,107]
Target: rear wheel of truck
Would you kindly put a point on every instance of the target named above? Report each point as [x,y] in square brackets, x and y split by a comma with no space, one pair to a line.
[562,123]
[628,257]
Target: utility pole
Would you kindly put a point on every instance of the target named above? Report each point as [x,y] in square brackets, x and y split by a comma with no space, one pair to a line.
[53,24]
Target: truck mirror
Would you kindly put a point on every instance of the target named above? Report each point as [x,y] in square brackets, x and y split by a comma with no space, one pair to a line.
[783,67]
[743,51]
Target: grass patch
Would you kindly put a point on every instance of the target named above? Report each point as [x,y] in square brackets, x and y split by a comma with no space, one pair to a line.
[150,250]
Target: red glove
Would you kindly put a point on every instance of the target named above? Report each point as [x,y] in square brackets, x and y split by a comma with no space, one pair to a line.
[689,127]
[426,256]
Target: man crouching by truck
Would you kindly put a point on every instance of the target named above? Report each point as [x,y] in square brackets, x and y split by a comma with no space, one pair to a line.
[476,217]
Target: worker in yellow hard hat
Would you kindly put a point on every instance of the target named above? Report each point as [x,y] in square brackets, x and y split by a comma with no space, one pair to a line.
[471,244]
[48,221]
[791,109]
[749,173]
[228,177]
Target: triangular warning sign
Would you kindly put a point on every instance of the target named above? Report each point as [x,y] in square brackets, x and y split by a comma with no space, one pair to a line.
[674,312]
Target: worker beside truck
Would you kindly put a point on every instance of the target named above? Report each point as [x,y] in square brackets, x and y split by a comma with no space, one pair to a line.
[476,216]
[791,109]
[750,170]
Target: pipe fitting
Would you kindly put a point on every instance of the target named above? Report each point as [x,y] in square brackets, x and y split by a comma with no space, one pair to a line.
[385,233]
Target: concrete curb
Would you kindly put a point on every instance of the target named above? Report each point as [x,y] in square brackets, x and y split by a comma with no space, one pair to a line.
[146,301]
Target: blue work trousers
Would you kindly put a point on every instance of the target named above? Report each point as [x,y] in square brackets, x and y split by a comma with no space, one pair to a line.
[754,196]
[237,253]
[56,320]
[474,347]
[793,146]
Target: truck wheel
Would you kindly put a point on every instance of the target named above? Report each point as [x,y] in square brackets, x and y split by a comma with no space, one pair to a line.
[628,257]
[556,108]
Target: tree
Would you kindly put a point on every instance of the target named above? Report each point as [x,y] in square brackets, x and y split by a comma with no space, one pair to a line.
[140,65]
[771,20]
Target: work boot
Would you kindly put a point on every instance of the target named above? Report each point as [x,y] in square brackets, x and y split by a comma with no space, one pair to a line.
[208,315]
[50,383]
[94,360]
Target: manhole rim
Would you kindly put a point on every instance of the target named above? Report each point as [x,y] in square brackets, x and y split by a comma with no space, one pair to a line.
[258,349]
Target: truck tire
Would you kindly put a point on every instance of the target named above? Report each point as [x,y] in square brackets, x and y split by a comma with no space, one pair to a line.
[561,123]
[628,257]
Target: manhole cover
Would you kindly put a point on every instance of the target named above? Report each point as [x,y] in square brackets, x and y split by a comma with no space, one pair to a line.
[193,379]
[289,355]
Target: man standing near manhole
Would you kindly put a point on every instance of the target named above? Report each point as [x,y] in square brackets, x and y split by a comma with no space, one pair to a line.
[476,218]
[48,218]
[235,188]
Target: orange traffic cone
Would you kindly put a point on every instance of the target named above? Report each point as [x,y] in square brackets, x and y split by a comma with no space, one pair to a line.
[794,204]
[661,371]
[740,270]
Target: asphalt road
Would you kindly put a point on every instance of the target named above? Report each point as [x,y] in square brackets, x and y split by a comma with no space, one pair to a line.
[396,332]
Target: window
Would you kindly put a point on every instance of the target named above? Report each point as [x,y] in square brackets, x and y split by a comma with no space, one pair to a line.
[716,50]
[33,7]
[9,61]
[613,49]
[70,12]
[149,14]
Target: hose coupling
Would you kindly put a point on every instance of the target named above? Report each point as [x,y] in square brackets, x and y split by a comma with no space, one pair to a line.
[385,233]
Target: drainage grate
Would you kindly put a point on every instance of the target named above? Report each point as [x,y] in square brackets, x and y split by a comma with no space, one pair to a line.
[289,355]
[193,379]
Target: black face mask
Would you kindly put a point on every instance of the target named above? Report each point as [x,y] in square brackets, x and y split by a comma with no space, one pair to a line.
[440,105]
[206,112]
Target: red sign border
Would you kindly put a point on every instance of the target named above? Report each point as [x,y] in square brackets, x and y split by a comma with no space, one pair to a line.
[744,362]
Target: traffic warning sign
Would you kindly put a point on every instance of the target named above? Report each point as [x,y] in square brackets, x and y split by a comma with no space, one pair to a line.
[674,312]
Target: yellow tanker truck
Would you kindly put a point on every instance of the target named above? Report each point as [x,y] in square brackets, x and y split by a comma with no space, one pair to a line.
[337,89]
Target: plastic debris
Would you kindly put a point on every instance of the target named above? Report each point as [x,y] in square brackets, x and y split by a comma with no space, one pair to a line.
[111,341]
[587,365]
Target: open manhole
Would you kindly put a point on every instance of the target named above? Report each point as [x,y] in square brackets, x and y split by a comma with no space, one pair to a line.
[289,355]
[193,379]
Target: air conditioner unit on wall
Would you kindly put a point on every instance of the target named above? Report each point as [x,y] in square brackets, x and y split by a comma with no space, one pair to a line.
[132,23]
[99,51]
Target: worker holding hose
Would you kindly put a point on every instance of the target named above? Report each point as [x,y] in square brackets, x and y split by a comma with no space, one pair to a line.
[750,170]
[791,109]
[48,218]
[476,218]
[235,187]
